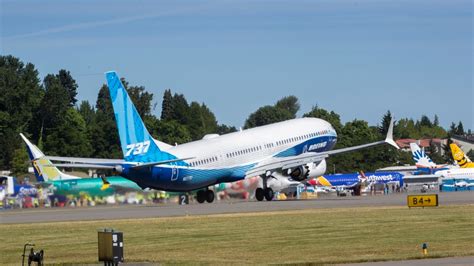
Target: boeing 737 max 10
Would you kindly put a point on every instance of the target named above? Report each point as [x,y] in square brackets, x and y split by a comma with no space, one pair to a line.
[293,150]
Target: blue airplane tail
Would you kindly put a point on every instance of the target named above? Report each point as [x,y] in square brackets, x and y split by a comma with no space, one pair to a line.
[137,143]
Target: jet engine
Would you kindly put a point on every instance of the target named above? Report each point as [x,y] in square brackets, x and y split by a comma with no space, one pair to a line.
[307,171]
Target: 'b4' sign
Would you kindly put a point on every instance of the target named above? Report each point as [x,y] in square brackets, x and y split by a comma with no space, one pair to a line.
[428,200]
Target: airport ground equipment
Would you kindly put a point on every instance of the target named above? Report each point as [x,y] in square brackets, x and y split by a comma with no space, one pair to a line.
[33,256]
[426,200]
[110,247]
[425,249]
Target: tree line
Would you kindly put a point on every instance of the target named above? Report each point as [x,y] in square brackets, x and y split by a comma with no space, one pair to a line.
[47,112]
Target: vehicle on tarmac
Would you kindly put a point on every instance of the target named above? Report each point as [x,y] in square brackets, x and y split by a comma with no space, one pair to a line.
[293,150]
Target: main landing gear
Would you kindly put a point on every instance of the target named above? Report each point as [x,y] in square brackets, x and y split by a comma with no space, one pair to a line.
[205,195]
[264,192]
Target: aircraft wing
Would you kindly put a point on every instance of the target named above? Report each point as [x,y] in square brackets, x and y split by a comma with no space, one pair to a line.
[76,162]
[270,165]
[388,140]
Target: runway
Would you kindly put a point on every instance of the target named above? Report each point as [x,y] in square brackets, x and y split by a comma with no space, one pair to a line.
[172,210]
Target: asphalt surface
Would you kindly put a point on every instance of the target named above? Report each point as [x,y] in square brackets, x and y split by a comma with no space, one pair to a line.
[171,210]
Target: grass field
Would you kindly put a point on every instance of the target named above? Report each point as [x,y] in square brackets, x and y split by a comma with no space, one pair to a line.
[310,236]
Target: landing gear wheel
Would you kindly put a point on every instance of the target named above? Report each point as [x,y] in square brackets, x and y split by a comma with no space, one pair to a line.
[209,196]
[268,194]
[201,196]
[259,194]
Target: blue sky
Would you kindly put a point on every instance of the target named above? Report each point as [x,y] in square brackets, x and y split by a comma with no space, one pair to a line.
[358,58]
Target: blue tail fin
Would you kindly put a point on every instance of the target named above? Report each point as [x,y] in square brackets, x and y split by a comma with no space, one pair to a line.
[137,144]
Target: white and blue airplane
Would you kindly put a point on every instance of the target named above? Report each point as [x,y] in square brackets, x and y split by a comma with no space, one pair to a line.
[289,151]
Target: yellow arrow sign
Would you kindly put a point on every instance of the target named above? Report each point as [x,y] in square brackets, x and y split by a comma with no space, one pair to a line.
[429,200]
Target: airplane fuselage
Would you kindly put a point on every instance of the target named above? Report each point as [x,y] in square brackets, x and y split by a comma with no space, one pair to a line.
[353,179]
[91,186]
[457,173]
[227,158]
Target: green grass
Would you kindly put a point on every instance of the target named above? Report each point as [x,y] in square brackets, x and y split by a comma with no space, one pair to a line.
[310,236]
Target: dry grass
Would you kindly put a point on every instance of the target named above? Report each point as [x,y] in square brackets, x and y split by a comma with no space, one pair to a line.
[310,236]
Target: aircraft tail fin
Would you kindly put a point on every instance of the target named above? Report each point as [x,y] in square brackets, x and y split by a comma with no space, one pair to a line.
[420,157]
[136,142]
[460,157]
[43,168]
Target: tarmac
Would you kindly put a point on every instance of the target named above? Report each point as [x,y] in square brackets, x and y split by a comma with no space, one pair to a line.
[221,207]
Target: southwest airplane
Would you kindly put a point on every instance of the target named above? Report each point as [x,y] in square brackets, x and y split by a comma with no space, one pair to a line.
[354,179]
[64,184]
[10,187]
[293,150]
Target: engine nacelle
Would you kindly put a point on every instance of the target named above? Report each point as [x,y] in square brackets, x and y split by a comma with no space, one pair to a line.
[308,171]
[118,169]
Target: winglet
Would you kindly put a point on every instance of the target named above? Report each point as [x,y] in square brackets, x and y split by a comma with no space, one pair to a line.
[33,151]
[389,138]
[105,183]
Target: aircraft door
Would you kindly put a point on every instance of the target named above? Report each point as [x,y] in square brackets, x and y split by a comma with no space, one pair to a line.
[174,173]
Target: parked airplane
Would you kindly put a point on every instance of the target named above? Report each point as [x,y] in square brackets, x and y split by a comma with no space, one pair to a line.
[355,179]
[64,184]
[9,187]
[459,156]
[440,171]
[457,173]
[292,150]
[423,163]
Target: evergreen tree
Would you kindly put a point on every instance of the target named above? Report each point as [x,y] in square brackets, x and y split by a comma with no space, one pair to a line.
[201,121]
[87,112]
[180,111]
[69,84]
[167,106]
[141,99]
[20,161]
[224,129]
[386,119]
[103,131]
[425,121]
[70,137]
[55,103]
[20,96]
[436,121]
[452,129]
[460,129]
[447,156]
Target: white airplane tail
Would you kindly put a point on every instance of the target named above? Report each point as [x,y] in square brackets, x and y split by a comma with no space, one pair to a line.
[420,157]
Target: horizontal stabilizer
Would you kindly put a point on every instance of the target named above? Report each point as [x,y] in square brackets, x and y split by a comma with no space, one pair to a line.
[81,165]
